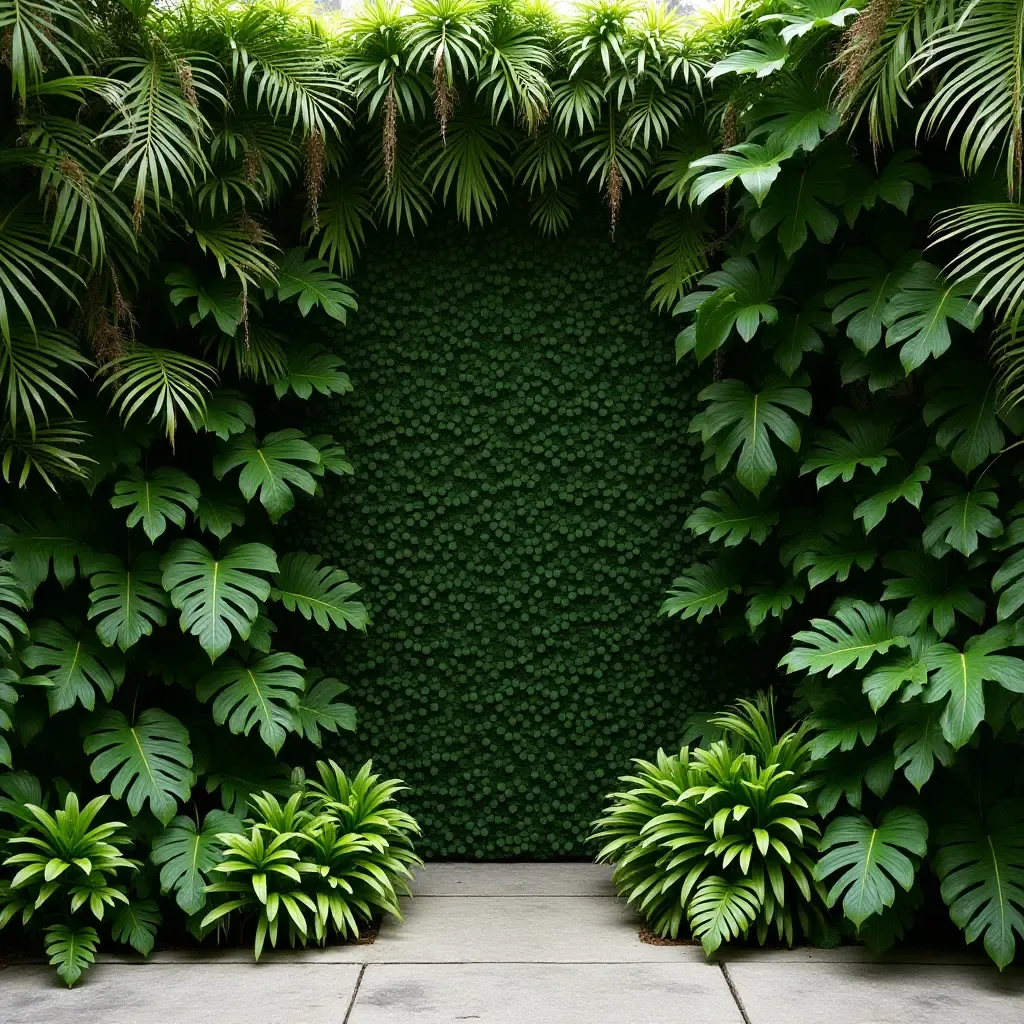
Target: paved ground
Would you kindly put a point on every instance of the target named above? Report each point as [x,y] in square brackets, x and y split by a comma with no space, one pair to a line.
[518,944]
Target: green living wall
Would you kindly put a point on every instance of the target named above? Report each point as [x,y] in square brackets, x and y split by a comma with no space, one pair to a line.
[522,474]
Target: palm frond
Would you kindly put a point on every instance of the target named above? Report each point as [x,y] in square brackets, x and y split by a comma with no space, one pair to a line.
[343,212]
[51,453]
[41,32]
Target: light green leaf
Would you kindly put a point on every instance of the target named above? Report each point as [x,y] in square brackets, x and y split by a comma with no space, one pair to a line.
[225,414]
[127,602]
[760,57]
[164,494]
[871,858]
[961,518]
[311,368]
[756,166]
[136,924]
[283,460]
[71,950]
[318,708]
[312,281]
[803,16]
[263,693]
[866,444]
[701,590]
[217,596]
[186,855]
[319,592]
[863,630]
[151,758]
[730,516]
[76,667]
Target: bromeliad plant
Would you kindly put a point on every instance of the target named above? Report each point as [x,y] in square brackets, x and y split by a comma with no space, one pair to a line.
[721,839]
[327,861]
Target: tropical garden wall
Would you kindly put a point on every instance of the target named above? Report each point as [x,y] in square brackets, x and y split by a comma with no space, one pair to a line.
[266,290]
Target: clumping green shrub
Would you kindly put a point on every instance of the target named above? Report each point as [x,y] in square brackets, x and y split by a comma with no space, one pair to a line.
[333,856]
[66,869]
[721,837]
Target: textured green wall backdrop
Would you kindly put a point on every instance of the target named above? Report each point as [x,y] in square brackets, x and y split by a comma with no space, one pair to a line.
[523,471]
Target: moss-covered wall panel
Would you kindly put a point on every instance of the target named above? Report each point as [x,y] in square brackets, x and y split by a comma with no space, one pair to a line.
[523,471]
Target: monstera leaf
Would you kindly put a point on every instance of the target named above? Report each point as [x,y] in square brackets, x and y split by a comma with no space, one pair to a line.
[701,590]
[863,630]
[71,950]
[866,444]
[795,112]
[981,866]
[917,315]
[871,857]
[795,334]
[186,854]
[868,284]
[219,298]
[313,284]
[74,664]
[962,401]
[261,693]
[152,760]
[135,924]
[797,202]
[827,558]
[127,603]
[919,744]
[730,516]
[165,494]
[318,708]
[899,484]
[311,368]
[760,57]
[225,414]
[907,666]
[960,676]
[216,596]
[932,593]
[803,16]
[737,418]
[895,185]
[744,296]
[218,516]
[958,520]
[330,457]
[283,460]
[756,166]
[318,592]
[36,544]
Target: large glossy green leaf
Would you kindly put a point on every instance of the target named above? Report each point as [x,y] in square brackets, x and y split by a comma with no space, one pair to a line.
[756,166]
[127,603]
[918,315]
[186,855]
[962,517]
[151,758]
[44,541]
[154,498]
[261,693]
[980,862]
[739,419]
[217,596]
[960,675]
[803,16]
[896,484]
[320,593]
[225,413]
[75,665]
[862,631]
[760,57]
[962,402]
[870,858]
[218,515]
[283,460]
[919,743]
[905,668]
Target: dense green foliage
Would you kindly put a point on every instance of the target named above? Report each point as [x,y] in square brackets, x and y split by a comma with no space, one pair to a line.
[178,183]
[720,839]
[523,474]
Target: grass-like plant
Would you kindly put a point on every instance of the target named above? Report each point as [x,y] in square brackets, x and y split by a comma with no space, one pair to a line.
[720,839]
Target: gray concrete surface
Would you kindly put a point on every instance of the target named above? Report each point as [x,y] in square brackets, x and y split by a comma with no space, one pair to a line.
[519,944]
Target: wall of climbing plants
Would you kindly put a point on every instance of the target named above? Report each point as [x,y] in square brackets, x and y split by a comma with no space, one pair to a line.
[518,429]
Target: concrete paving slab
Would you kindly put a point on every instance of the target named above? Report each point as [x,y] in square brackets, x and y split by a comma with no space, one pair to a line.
[179,994]
[851,993]
[468,879]
[528,929]
[545,993]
